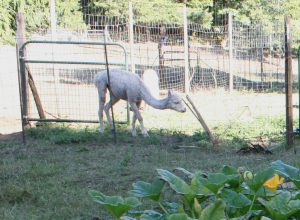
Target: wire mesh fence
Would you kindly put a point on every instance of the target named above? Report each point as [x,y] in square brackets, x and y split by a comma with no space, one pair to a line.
[63,75]
[258,65]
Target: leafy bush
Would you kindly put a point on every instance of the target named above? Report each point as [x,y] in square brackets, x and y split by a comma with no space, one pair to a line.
[228,194]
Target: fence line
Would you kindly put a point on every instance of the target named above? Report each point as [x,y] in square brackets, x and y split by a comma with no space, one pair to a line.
[256,53]
[256,57]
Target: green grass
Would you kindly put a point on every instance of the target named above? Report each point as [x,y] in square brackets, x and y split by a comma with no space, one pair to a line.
[50,176]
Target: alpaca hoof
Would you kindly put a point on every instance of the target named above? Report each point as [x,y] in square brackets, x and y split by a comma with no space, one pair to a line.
[145,134]
[133,133]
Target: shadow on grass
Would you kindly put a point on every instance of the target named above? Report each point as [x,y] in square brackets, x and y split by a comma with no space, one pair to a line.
[68,134]
[233,135]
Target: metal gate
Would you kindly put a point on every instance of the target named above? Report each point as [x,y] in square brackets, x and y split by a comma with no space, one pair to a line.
[56,79]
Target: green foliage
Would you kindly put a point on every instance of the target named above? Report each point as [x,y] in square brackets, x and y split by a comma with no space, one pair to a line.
[148,190]
[70,12]
[6,16]
[225,195]
[215,211]
[115,204]
[262,176]
[281,206]
[37,16]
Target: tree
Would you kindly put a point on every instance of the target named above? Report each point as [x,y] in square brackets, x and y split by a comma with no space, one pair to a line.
[37,16]
[6,28]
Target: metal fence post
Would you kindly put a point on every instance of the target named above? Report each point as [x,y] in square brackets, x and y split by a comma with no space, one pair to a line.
[131,36]
[186,51]
[131,48]
[230,39]
[288,82]
[55,72]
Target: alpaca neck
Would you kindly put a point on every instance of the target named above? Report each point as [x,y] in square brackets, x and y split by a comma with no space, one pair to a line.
[152,101]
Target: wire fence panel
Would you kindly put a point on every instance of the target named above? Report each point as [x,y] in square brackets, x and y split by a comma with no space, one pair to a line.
[258,65]
[258,51]
[208,57]
[64,75]
[159,46]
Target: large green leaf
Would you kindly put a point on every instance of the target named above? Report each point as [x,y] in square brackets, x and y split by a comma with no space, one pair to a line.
[116,205]
[179,216]
[215,211]
[260,178]
[214,181]
[198,188]
[151,215]
[175,182]
[171,207]
[127,218]
[186,172]
[235,200]
[229,170]
[281,207]
[288,171]
[145,214]
[148,190]
[233,176]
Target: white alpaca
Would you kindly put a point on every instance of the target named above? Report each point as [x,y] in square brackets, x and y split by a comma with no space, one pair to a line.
[128,86]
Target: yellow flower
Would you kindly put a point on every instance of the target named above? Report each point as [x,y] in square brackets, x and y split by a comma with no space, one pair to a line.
[274,182]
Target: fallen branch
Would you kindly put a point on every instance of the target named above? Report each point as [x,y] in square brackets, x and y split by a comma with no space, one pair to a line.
[197,114]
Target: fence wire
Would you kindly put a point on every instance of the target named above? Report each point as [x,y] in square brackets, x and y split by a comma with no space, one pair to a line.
[258,61]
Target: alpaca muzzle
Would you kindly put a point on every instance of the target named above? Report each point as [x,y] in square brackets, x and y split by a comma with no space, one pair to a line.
[182,110]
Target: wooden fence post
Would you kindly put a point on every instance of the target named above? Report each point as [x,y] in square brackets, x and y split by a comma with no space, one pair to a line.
[162,32]
[20,38]
[288,82]
[25,75]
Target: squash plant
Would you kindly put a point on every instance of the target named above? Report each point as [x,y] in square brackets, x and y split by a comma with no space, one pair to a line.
[227,194]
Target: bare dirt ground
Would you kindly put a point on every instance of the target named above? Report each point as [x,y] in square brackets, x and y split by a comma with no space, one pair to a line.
[9,93]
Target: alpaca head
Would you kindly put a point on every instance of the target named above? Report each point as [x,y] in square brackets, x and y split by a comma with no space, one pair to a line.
[175,102]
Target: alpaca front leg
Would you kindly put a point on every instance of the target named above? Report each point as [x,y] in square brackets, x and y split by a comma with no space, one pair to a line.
[140,118]
[133,130]
[100,115]
[102,100]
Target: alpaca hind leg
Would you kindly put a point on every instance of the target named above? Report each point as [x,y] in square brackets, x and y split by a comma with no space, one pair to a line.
[102,100]
[133,130]
[135,109]
[113,101]
[134,118]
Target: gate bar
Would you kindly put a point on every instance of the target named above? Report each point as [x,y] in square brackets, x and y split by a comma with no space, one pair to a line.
[67,120]
[23,61]
[69,62]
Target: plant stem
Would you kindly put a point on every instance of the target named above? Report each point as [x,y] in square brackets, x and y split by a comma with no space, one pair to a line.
[163,208]
[252,203]
[193,214]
